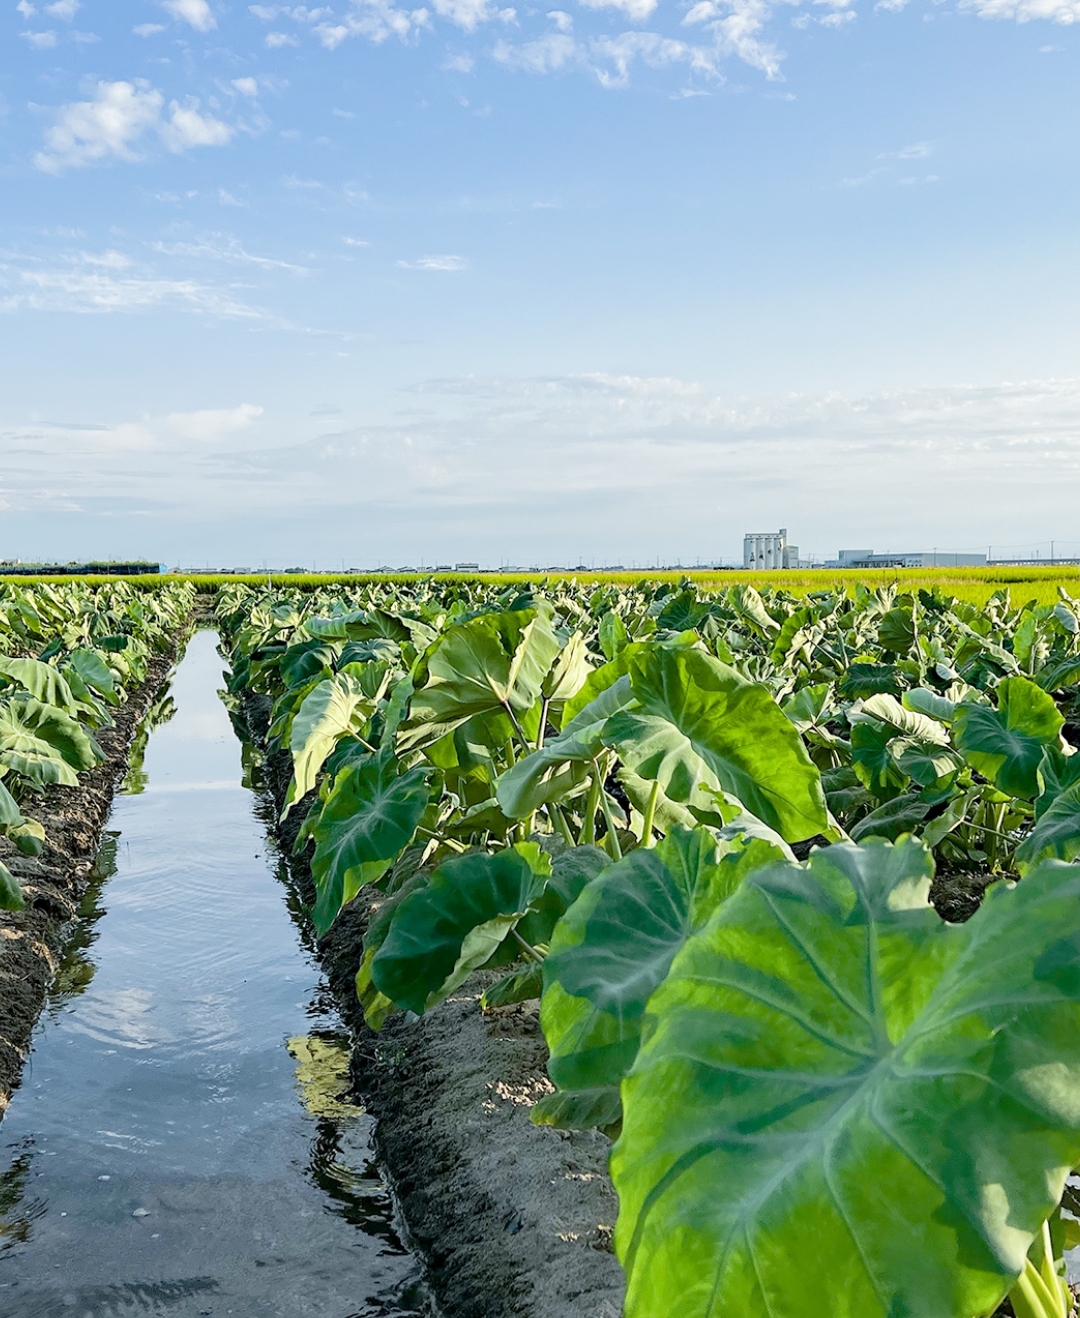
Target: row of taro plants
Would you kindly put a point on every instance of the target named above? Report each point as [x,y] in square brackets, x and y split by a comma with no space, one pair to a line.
[703,829]
[69,653]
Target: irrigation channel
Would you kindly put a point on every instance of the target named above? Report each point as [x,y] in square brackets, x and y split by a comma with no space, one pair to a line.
[182,1143]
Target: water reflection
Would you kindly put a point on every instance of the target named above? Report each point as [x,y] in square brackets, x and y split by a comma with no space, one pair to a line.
[17,1212]
[185,1139]
[159,713]
[75,969]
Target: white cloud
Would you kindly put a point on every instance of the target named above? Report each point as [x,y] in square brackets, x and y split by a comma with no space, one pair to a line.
[211,424]
[469,14]
[274,40]
[187,128]
[109,125]
[651,48]
[26,9]
[737,26]
[298,13]
[227,199]
[459,63]
[64,9]
[114,122]
[195,12]
[356,242]
[376,20]
[246,86]
[660,466]
[562,20]
[40,40]
[635,10]
[148,29]
[1023,11]
[610,58]
[436,263]
[547,54]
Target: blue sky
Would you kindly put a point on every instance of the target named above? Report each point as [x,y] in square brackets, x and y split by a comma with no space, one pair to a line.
[466,281]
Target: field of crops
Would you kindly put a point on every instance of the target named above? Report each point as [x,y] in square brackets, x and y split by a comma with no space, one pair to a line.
[705,828]
[972,585]
[69,652]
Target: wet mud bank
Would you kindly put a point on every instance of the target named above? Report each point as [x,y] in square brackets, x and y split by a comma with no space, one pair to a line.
[511,1219]
[55,882]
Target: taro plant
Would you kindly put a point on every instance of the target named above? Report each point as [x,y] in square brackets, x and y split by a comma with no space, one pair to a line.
[843,1105]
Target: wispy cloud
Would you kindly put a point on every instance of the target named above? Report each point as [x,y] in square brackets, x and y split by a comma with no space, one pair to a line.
[887,171]
[224,247]
[1025,11]
[102,282]
[114,123]
[610,59]
[435,263]
[635,10]
[657,463]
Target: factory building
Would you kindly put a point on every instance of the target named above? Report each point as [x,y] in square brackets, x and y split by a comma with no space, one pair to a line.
[860,558]
[768,551]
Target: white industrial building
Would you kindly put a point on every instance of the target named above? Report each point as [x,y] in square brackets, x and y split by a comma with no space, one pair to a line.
[768,551]
[867,558]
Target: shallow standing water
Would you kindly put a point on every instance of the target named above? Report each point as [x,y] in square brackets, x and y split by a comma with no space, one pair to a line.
[179,1144]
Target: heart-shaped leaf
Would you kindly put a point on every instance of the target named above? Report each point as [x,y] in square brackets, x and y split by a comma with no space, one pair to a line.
[847,1108]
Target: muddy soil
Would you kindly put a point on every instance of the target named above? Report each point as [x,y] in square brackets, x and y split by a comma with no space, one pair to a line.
[512,1220]
[55,882]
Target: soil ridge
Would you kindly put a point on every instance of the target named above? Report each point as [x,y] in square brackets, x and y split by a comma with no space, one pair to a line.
[512,1220]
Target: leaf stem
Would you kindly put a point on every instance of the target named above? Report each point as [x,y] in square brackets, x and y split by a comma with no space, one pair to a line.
[517,726]
[612,838]
[588,828]
[557,817]
[530,951]
[543,723]
[647,818]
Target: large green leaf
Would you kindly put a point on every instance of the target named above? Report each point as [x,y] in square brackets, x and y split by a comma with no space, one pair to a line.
[736,729]
[498,660]
[366,822]
[305,660]
[334,708]
[10,814]
[351,626]
[42,681]
[871,756]
[614,947]
[94,672]
[1056,832]
[525,786]
[11,898]
[1057,773]
[906,720]
[1006,744]
[445,930]
[30,727]
[847,1108]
